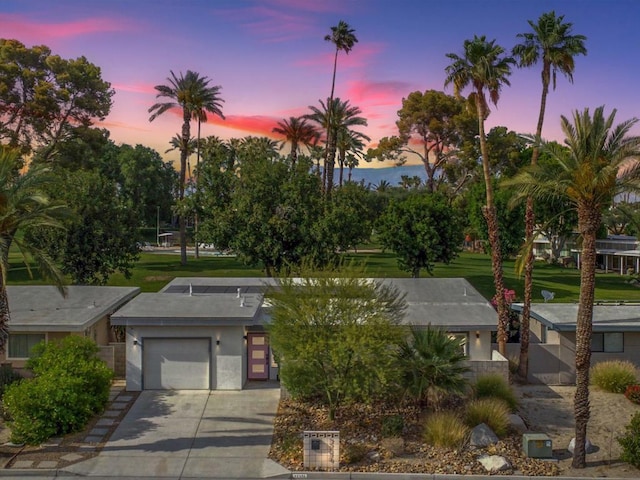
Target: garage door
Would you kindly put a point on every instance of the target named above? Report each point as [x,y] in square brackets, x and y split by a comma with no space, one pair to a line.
[176,364]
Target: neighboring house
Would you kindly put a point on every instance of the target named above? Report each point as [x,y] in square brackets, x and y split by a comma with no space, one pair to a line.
[209,333]
[41,313]
[616,336]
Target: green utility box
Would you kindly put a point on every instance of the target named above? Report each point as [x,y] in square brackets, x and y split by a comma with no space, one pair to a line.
[537,445]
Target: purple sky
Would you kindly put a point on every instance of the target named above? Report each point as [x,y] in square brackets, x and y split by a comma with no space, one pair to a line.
[270,58]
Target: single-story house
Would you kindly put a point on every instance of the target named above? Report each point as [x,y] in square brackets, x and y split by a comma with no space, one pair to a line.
[42,313]
[616,336]
[209,333]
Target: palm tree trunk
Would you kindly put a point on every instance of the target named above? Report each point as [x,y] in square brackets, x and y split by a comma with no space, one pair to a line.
[341,164]
[294,154]
[530,221]
[195,221]
[588,223]
[489,212]
[4,301]
[186,133]
[329,154]
[331,158]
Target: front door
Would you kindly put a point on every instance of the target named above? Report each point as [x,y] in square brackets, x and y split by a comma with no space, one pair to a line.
[258,356]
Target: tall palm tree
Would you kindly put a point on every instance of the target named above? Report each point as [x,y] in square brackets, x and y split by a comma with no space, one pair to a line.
[343,38]
[24,207]
[297,131]
[192,94]
[599,161]
[333,117]
[551,43]
[485,67]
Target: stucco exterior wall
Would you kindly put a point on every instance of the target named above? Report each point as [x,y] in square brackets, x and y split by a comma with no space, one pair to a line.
[228,360]
[479,345]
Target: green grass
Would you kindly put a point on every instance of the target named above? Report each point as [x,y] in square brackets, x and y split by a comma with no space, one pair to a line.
[153,271]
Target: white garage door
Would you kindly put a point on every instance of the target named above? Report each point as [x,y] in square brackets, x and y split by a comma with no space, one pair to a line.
[176,364]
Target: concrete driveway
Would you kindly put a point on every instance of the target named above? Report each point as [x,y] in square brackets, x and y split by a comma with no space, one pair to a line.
[192,434]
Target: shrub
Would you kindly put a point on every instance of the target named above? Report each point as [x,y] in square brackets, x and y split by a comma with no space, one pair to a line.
[392,426]
[633,393]
[445,429]
[630,442]
[7,376]
[70,385]
[494,386]
[494,412]
[613,376]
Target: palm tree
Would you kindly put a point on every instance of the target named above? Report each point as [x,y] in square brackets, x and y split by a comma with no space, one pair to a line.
[192,94]
[486,69]
[551,43]
[349,144]
[297,131]
[344,38]
[24,207]
[333,117]
[599,162]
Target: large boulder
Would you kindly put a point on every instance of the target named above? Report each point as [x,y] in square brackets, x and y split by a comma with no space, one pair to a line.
[494,463]
[516,423]
[588,446]
[482,436]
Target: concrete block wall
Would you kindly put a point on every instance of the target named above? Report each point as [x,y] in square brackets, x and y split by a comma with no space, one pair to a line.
[119,359]
[498,365]
[105,353]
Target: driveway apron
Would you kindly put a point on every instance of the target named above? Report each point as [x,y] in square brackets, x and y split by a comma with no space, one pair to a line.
[192,434]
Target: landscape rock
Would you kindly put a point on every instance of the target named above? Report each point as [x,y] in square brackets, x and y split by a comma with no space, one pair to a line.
[494,463]
[516,423]
[373,456]
[588,446]
[482,436]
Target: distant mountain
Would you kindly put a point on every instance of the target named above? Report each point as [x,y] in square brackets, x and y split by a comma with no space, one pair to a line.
[392,175]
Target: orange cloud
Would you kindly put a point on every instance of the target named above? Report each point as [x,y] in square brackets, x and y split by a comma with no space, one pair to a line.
[15,26]
[256,124]
[127,126]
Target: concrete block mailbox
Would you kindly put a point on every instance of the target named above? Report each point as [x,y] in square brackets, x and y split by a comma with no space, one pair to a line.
[321,450]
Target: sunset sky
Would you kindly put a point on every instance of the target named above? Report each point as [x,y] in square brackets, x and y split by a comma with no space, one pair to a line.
[271,60]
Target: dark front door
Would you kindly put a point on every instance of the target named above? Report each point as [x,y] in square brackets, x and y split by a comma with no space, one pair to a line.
[258,356]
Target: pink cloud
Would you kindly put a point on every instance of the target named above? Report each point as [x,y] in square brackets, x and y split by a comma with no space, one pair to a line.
[127,126]
[376,94]
[325,6]
[135,88]
[15,26]
[358,57]
[255,124]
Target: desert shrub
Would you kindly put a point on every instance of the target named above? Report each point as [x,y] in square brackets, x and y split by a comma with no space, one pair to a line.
[392,426]
[633,393]
[69,386]
[493,412]
[354,452]
[392,446]
[7,376]
[445,429]
[613,376]
[495,386]
[630,442]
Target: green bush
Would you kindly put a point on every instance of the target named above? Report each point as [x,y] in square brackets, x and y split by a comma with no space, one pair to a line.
[392,426]
[633,393]
[69,386]
[494,386]
[494,412]
[614,375]
[445,429]
[630,442]
[7,376]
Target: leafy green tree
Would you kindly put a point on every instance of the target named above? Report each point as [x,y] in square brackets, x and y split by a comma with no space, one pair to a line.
[431,363]
[24,207]
[335,336]
[349,144]
[421,229]
[350,216]
[486,69]
[600,162]
[298,132]
[45,98]
[552,43]
[432,120]
[192,94]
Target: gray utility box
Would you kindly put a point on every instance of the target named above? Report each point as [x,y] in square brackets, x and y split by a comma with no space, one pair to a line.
[537,445]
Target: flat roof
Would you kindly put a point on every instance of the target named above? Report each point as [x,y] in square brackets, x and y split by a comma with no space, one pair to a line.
[41,308]
[606,318]
[450,303]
